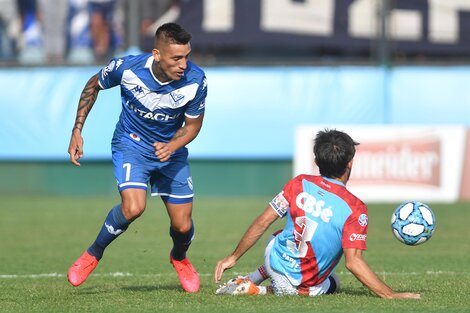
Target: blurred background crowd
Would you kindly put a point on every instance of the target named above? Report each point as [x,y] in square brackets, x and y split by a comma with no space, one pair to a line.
[246,32]
[77,31]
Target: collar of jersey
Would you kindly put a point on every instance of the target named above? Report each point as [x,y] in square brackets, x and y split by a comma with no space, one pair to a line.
[331,180]
[148,65]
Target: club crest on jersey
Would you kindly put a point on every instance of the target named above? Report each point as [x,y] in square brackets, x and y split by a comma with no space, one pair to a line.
[176,96]
[190,182]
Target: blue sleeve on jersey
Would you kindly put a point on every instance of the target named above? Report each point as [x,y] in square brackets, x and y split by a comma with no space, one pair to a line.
[111,75]
[197,106]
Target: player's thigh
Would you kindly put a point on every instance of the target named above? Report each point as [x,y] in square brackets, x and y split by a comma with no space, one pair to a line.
[131,169]
[280,283]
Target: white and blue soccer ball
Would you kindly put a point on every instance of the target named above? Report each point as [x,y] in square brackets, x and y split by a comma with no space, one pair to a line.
[413,223]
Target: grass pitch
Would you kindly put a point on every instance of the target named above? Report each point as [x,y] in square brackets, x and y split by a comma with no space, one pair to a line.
[40,237]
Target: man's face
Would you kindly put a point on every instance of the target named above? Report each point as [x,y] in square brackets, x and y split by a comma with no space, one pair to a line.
[172,59]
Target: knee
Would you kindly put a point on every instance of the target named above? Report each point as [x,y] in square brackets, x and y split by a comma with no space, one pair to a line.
[132,209]
[182,226]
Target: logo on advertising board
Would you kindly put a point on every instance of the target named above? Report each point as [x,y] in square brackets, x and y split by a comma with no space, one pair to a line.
[398,162]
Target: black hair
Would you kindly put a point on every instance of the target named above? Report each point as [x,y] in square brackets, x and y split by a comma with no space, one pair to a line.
[172,32]
[333,150]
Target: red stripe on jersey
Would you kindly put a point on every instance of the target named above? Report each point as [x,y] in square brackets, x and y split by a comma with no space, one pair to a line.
[308,260]
[309,268]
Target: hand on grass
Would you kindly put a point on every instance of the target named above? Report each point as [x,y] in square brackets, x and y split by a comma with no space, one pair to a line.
[222,265]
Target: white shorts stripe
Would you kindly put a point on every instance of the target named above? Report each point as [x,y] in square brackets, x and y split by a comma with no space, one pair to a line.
[173,196]
[132,184]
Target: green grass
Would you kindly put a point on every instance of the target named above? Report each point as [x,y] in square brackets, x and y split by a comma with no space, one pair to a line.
[40,237]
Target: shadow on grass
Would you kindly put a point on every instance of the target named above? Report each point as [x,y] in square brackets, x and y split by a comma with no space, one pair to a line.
[347,291]
[88,291]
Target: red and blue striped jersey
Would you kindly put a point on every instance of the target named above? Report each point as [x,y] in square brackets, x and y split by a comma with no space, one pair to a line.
[323,218]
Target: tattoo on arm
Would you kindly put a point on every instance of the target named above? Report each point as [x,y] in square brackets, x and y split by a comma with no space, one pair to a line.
[180,132]
[87,99]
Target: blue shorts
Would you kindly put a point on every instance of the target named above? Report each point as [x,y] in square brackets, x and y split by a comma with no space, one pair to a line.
[171,180]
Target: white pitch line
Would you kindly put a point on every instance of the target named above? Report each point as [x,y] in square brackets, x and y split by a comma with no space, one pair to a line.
[126,274]
[430,273]
[115,274]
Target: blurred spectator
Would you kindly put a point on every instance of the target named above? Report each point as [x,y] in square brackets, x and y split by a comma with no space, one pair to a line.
[117,31]
[101,27]
[94,30]
[53,15]
[155,13]
[9,29]
[31,43]
[78,33]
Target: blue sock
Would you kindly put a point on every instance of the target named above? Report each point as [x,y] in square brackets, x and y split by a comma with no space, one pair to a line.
[114,225]
[181,242]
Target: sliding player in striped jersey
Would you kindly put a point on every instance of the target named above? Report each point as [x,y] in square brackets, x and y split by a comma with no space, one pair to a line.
[323,222]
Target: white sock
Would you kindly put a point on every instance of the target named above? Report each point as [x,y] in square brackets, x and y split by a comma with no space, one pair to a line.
[258,276]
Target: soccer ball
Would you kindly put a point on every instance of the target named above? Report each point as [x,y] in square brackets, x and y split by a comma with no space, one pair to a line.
[413,223]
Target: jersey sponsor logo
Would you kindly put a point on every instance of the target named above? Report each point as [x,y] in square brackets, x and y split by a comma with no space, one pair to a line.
[363,220]
[153,115]
[292,262]
[357,237]
[309,204]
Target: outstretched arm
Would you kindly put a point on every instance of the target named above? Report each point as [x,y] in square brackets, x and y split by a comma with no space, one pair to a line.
[251,236]
[184,135]
[356,264]
[87,99]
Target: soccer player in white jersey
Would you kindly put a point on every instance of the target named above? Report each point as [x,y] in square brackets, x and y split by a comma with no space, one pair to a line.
[163,102]
[323,222]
